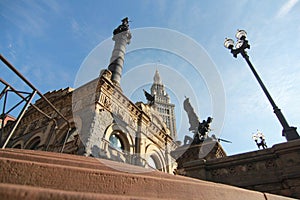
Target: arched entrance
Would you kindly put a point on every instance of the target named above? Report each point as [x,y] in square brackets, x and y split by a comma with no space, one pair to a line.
[34,143]
[154,163]
[154,158]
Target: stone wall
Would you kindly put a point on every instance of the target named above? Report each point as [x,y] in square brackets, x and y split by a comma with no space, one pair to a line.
[30,175]
[275,170]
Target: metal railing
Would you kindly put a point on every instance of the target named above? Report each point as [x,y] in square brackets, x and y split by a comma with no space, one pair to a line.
[8,88]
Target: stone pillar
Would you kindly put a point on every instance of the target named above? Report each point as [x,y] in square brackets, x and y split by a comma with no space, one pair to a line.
[121,37]
[137,149]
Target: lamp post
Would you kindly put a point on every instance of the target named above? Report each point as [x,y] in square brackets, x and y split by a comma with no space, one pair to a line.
[242,44]
[260,136]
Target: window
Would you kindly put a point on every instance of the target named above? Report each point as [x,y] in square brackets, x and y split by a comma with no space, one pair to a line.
[153,162]
[34,143]
[116,142]
[18,146]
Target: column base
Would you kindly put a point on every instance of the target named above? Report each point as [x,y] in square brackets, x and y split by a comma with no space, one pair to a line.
[290,133]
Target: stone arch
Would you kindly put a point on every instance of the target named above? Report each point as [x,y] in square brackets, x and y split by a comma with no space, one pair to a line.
[33,143]
[154,154]
[60,134]
[154,162]
[18,145]
[122,134]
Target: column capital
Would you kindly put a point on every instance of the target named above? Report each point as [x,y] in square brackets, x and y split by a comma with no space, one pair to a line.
[125,35]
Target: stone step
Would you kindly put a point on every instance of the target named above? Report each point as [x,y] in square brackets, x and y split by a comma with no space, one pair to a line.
[17,192]
[71,177]
[66,159]
[78,161]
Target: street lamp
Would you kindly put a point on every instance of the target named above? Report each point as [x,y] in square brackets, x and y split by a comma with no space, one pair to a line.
[242,44]
[259,136]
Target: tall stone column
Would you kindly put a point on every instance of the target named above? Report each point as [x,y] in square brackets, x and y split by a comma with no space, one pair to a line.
[121,37]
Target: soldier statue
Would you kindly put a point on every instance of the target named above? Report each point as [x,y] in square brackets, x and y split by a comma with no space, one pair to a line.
[123,27]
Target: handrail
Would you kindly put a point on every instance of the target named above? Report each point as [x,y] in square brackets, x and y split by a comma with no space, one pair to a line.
[9,65]
[33,88]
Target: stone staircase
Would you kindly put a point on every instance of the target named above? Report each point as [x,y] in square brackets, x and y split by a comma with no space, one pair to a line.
[28,174]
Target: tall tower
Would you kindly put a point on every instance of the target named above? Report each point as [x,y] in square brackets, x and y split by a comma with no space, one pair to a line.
[163,104]
[121,37]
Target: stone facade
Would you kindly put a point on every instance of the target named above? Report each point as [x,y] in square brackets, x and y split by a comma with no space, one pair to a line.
[275,170]
[97,111]
[36,131]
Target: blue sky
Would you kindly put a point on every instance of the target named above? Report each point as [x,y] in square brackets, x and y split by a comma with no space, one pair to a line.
[48,40]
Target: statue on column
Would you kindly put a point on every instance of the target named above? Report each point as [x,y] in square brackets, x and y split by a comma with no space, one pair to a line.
[123,27]
[121,36]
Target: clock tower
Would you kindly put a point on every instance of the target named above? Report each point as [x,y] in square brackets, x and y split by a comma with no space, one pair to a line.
[163,104]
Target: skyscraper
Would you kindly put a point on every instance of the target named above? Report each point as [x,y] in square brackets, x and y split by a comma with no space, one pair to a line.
[163,104]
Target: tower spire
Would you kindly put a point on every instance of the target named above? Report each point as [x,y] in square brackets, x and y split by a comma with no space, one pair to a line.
[121,36]
[163,104]
[156,78]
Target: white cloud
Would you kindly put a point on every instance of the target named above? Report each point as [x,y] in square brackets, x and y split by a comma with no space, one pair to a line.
[25,16]
[75,26]
[286,8]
